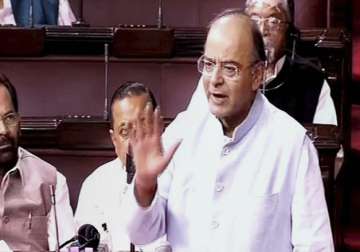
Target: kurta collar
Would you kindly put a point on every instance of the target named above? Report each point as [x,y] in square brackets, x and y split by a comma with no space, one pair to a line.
[17,167]
[278,67]
[250,120]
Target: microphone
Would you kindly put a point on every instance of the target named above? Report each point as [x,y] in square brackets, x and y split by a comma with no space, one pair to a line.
[74,238]
[129,167]
[53,203]
[88,236]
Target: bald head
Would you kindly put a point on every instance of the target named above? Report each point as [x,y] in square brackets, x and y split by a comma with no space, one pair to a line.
[236,31]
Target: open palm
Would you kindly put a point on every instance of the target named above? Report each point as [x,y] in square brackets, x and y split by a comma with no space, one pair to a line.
[149,157]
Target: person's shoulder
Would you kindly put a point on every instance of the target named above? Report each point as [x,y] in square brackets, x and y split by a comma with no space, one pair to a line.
[177,124]
[283,125]
[34,165]
[28,156]
[104,171]
[177,129]
[307,66]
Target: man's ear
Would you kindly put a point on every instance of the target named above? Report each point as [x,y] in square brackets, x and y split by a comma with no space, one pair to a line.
[257,75]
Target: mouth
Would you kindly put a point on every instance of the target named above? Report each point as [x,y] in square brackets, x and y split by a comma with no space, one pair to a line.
[218,98]
[6,147]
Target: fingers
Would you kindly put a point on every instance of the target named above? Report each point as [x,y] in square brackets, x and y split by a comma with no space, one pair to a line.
[148,122]
[158,122]
[149,125]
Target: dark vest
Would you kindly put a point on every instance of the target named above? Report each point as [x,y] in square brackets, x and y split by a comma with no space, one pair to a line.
[299,94]
[25,204]
[45,12]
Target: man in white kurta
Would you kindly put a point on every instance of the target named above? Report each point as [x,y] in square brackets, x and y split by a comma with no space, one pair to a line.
[101,196]
[102,193]
[245,176]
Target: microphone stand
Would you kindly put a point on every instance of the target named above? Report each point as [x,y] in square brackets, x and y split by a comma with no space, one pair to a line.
[160,16]
[106,84]
[265,72]
[53,203]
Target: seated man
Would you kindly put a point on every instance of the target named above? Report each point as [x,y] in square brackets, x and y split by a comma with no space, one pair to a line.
[245,177]
[292,84]
[36,12]
[28,221]
[102,192]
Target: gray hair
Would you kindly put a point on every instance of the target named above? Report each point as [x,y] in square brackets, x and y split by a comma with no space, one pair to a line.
[286,5]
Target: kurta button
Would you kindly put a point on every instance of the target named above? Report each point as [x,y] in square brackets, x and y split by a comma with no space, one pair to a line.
[219,187]
[214,224]
[226,151]
[6,219]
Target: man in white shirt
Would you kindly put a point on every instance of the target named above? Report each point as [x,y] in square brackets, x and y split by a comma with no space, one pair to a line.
[35,12]
[102,192]
[26,213]
[245,176]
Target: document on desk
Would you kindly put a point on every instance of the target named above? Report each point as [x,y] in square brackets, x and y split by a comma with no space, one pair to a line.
[3,246]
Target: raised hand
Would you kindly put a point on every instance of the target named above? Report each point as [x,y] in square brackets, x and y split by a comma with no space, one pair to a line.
[149,157]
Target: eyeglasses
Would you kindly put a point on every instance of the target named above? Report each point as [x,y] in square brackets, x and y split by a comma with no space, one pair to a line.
[10,119]
[272,23]
[229,70]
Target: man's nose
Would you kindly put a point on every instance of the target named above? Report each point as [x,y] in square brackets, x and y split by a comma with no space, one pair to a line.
[3,127]
[216,77]
[263,28]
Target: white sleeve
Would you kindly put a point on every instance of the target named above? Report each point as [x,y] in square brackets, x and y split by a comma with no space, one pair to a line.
[145,225]
[311,229]
[66,15]
[64,214]
[195,112]
[325,112]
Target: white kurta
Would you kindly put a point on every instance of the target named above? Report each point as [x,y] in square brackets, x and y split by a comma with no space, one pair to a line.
[100,202]
[260,191]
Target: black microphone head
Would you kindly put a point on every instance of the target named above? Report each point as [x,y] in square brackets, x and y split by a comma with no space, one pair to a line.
[88,236]
[130,168]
